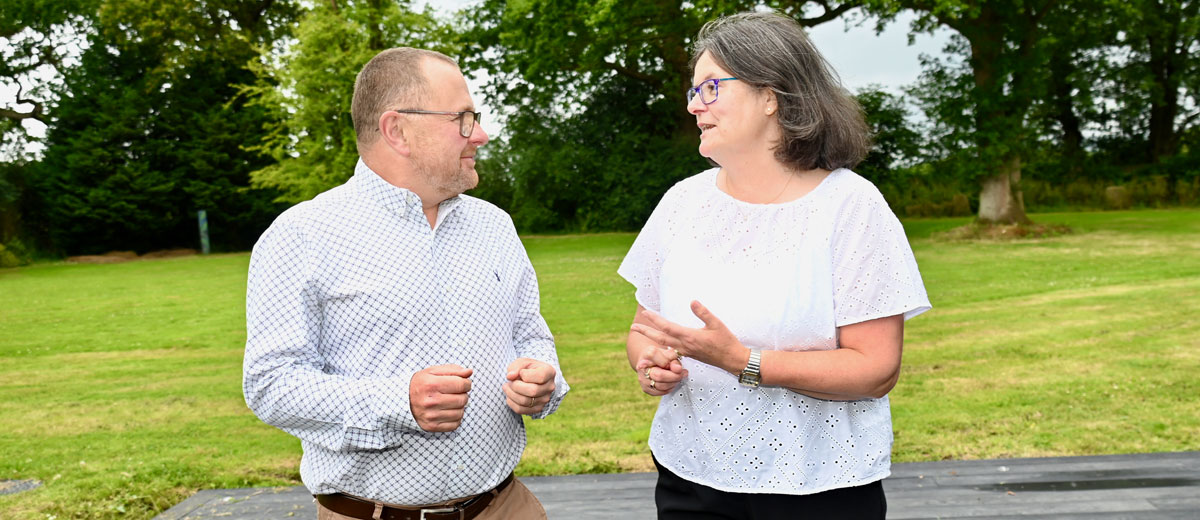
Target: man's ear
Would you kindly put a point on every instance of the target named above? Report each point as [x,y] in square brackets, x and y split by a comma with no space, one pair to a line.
[395,132]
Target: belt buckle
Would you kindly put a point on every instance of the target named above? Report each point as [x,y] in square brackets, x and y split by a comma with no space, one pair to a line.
[461,512]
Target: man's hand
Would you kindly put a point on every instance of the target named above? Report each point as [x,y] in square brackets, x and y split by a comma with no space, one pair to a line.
[438,396]
[530,384]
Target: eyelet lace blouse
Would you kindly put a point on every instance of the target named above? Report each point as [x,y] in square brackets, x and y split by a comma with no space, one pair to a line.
[781,277]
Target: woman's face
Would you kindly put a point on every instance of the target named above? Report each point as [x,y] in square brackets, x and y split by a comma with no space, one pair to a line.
[737,123]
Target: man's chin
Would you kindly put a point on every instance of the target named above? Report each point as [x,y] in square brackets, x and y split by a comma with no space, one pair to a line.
[468,180]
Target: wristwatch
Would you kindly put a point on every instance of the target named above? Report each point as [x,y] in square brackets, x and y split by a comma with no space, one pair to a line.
[750,375]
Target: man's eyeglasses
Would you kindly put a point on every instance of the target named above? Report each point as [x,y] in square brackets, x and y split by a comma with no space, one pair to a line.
[707,89]
[466,119]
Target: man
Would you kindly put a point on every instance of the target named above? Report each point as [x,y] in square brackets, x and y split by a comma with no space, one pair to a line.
[393,323]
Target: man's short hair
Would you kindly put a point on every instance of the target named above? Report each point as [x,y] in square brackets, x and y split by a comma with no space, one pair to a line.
[393,79]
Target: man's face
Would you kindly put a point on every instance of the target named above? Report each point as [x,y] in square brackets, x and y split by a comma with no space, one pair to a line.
[441,155]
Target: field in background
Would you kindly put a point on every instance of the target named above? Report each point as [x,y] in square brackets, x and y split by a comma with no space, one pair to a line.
[120,385]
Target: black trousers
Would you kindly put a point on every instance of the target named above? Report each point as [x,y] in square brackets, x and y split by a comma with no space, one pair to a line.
[680,499]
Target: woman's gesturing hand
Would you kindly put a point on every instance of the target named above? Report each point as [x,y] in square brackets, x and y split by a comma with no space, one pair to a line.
[714,344]
[659,370]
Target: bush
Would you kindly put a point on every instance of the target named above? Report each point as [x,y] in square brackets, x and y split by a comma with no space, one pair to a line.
[1150,191]
[13,254]
[1188,191]
[1117,197]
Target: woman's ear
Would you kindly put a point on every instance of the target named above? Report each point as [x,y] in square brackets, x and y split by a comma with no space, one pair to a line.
[771,103]
[395,132]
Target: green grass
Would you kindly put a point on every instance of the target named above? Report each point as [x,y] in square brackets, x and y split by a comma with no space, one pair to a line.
[120,384]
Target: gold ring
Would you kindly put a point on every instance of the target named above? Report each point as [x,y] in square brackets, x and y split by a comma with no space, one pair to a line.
[652,384]
[647,373]
[531,401]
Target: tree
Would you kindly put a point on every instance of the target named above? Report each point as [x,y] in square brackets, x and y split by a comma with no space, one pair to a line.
[148,130]
[1161,44]
[1002,43]
[592,96]
[309,88]
[35,41]
[1071,99]
[894,142]
[37,35]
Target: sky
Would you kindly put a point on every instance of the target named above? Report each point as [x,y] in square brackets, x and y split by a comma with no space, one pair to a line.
[861,57]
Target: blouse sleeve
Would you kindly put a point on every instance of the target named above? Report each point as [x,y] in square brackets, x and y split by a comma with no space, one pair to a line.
[874,272]
[643,263]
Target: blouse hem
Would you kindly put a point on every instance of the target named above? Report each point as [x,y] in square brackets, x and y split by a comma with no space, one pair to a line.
[909,314]
[773,491]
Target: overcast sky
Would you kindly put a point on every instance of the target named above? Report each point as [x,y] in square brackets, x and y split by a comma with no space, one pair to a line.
[860,56]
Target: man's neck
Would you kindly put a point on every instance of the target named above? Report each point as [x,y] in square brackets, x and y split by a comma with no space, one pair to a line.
[431,214]
[401,177]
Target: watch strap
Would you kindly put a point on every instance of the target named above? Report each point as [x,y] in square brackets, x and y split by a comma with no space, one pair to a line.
[752,374]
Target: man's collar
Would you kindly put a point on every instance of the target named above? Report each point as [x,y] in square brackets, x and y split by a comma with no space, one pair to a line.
[401,201]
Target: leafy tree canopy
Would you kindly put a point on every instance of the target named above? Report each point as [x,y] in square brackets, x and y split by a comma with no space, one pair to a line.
[36,36]
[148,130]
[592,93]
[309,86]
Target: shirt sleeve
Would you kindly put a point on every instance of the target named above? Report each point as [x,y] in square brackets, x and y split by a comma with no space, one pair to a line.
[283,378]
[874,272]
[531,335]
[642,265]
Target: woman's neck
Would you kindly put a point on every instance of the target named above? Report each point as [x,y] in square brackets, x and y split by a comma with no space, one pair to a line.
[766,181]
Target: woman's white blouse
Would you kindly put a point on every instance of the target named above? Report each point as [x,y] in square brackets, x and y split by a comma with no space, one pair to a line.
[781,277]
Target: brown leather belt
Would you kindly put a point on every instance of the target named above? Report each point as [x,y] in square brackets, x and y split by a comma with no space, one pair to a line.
[347,505]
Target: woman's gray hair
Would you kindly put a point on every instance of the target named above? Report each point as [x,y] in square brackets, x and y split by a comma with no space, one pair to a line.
[822,124]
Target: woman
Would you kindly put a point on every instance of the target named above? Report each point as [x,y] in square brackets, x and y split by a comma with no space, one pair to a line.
[772,293]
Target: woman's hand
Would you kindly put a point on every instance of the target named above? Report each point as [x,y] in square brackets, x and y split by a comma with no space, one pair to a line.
[714,344]
[659,370]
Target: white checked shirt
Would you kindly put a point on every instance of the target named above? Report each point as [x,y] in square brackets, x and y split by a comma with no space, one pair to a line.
[348,296]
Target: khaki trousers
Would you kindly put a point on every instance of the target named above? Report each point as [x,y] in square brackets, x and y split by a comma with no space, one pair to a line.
[516,502]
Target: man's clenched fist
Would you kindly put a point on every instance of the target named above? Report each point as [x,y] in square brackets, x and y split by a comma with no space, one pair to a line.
[438,396]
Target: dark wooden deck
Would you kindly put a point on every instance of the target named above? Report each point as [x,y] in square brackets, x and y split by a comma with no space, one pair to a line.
[1140,486]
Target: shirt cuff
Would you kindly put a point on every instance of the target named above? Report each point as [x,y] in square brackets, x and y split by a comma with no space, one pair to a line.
[389,401]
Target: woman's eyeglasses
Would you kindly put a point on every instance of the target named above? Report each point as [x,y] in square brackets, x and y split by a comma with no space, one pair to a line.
[707,90]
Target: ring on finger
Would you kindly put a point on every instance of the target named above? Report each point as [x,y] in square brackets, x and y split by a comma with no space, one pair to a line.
[647,373]
[652,384]
[531,401]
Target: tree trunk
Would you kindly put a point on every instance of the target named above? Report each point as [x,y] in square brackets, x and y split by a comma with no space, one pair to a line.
[375,25]
[1063,104]
[997,118]
[1167,45]
[1000,200]
[9,220]
[1165,104]
[676,58]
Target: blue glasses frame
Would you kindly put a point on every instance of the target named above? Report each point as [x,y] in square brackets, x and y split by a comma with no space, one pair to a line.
[707,89]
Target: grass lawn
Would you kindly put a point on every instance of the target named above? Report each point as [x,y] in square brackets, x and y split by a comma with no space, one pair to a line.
[120,384]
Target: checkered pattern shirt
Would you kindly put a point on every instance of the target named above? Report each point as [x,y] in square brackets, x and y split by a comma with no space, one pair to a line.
[348,296]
